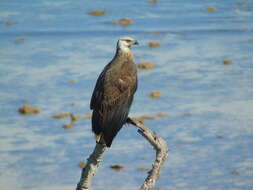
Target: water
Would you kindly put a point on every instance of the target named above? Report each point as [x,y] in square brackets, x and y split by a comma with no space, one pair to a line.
[209,105]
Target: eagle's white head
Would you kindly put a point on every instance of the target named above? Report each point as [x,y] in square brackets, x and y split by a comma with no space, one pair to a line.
[125,43]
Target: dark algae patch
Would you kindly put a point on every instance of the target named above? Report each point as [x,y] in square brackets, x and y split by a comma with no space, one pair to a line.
[161,115]
[145,65]
[123,21]
[227,62]
[239,4]
[88,115]
[211,9]
[9,23]
[71,81]
[26,110]
[235,172]
[153,1]
[143,169]
[154,44]
[96,12]
[82,164]
[149,117]
[155,94]
[117,167]
[19,41]
[74,119]
[61,115]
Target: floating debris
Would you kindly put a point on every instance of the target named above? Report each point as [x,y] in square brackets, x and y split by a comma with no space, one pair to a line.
[74,118]
[149,117]
[123,21]
[153,1]
[250,40]
[9,23]
[71,124]
[22,40]
[68,125]
[145,65]
[74,104]
[211,9]
[154,44]
[227,61]
[143,169]
[161,115]
[188,114]
[96,12]
[235,172]
[61,115]
[117,167]
[155,94]
[143,117]
[72,81]
[28,110]
[82,164]
[219,136]
[240,3]
[88,115]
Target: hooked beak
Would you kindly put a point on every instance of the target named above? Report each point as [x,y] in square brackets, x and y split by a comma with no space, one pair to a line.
[136,42]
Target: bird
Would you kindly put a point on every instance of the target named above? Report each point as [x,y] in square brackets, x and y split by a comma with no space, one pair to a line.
[114,92]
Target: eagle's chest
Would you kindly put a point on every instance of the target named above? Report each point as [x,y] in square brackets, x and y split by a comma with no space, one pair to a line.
[121,79]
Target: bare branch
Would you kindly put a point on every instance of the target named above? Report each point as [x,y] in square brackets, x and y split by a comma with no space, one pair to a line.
[161,152]
[91,167]
[96,157]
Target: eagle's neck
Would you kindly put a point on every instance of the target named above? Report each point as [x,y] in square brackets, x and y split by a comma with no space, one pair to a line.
[124,54]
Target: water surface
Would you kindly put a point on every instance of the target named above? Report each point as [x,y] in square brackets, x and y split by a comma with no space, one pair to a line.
[209,105]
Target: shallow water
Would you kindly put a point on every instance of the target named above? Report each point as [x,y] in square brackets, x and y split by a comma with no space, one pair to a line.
[209,105]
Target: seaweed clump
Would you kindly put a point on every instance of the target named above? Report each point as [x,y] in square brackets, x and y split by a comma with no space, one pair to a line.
[211,9]
[143,169]
[235,172]
[26,110]
[82,164]
[19,41]
[74,119]
[88,115]
[155,94]
[117,167]
[153,1]
[96,12]
[227,61]
[154,44]
[61,115]
[123,21]
[9,23]
[145,65]
[150,117]
[240,3]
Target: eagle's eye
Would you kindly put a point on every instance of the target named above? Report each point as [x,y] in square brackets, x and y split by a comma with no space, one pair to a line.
[128,41]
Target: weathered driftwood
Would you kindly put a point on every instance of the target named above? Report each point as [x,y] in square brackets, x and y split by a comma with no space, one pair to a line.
[91,167]
[161,153]
[96,157]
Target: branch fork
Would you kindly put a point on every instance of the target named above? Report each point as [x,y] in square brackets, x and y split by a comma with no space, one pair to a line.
[96,157]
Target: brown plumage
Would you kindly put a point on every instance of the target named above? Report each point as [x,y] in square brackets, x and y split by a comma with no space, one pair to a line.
[113,94]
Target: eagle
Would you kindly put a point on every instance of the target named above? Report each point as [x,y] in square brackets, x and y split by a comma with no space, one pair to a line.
[114,92]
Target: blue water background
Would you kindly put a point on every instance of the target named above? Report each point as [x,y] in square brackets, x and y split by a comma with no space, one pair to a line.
[209,128]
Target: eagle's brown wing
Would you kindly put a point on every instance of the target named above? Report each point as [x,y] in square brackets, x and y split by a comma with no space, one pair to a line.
[111,100]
